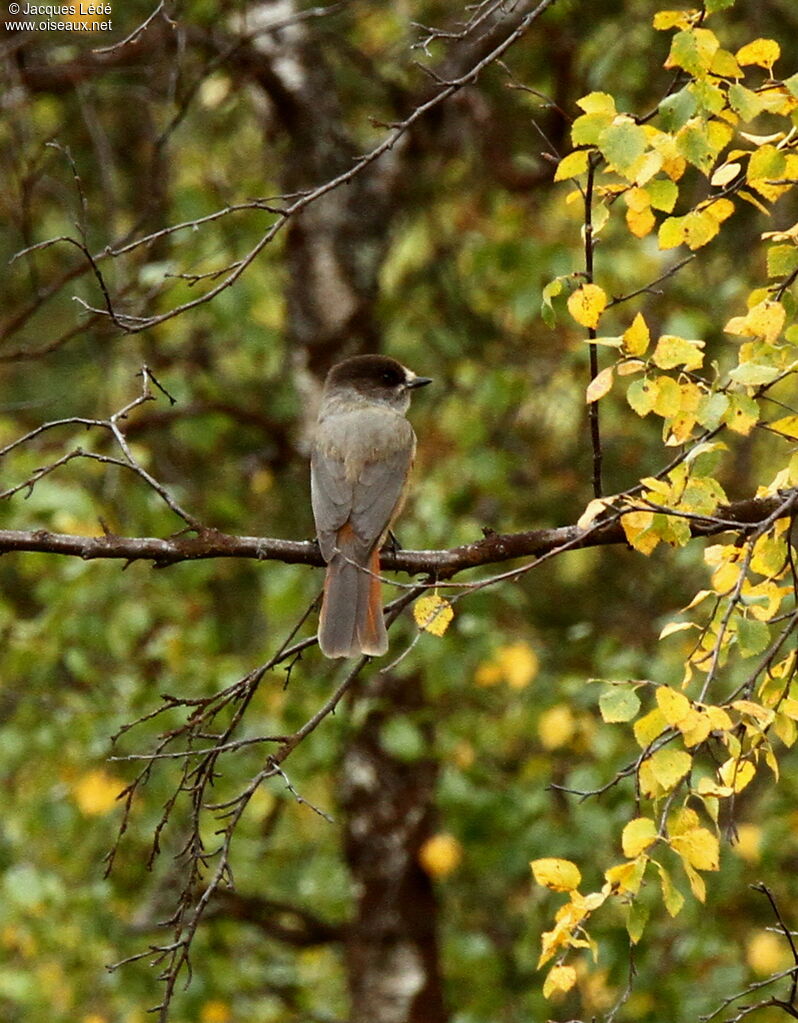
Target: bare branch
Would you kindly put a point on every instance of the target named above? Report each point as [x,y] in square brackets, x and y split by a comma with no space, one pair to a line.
[133,324]
[493,548]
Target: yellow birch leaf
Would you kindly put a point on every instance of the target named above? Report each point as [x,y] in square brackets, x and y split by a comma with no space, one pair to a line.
[670,766]
[433,614]
[671,896]
[671,233]
[789,706]
[666,397]
[594,508]
[630,366]
[559,978]
[788,427]
[640,396]
[721,722]
[648,727]
[766,320]
[663,20]
[720,209]
[786,729]
[674,705]
[673,627]
[600,385]
[742,414]
[725,578]
[762,52]
[597,103]
[587,304]
[682,820]
[636,337]
[693,50]
[637,199]
[645,167]
[556,874]
[648,784]
[724,65]
[724,174]
[636,526]
[699,227]
[697,885]
[672,351]
[695,728]
[736,774]
[637,836]
[764,715]
[572,165]
[640,222]
[699,848]
[708,787]
[699,598]
[679,429]
[628,876]
[770,552]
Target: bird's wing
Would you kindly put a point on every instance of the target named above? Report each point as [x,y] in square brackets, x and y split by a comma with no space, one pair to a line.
[331,496]
[379,492]
[349,484]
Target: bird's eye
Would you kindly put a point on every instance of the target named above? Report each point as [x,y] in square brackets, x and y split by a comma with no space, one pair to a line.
[390,377]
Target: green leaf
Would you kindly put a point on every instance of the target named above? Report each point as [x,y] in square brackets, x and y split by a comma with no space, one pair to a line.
[708,96]
[712,410]
[663,194]
[745,102]
[791,84]
[782,260]
[622,145]
[586,129]
[676,110]
[694,145]
[766,162]
[551,291]
[619,703]
[671,896]
[752,636]
[636,920]
[742,414]
[753,374]
[641,395]
[693,50]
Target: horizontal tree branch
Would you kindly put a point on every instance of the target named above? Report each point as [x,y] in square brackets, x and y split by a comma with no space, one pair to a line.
[279,920]
[443,564]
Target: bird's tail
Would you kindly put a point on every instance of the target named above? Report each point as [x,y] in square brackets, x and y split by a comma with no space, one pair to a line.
[351,621]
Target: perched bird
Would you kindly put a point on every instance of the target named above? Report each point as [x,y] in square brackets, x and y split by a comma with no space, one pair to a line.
[360,463]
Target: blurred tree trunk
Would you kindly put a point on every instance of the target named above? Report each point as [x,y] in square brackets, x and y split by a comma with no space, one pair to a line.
[334,252]
[392,946]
